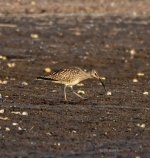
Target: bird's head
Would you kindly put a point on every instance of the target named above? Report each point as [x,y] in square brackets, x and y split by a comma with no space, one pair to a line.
[94,74]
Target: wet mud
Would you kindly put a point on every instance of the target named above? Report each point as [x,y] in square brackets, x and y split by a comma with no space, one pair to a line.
[36,122]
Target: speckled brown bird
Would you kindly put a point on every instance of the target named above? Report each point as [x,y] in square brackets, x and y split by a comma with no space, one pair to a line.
[70,77]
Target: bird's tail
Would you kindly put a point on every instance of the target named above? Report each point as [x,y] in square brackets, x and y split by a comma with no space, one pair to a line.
[45,78]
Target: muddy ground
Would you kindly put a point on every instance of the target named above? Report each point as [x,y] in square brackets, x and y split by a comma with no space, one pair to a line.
[36,121]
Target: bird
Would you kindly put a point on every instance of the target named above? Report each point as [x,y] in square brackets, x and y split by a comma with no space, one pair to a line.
[71,76]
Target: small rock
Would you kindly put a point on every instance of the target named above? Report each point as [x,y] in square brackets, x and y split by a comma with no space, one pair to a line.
[135,80]
[16,112]
[34,36]
[19,128]
[24,83]
[77,33]
[109,93]
[11,65]
[145,93]
[141,125]
[81,92]
[47,69]
[15,124]
[1,111]
[140,74]
[3,57]
[3,82]
[25,113]
[4,118]
[54,91]
[103,78]
[7,129]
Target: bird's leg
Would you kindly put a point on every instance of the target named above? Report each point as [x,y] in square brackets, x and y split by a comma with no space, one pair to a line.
[1,98]
[65,96]
[76,93]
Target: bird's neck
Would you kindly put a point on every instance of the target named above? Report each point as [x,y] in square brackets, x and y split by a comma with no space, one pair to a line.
[86,76]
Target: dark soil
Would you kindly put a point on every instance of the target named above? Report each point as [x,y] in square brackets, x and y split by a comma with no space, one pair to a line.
[101,126]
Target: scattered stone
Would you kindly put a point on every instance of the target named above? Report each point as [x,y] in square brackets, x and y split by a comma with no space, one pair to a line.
[16,112]
[74,131]
[15,124]
[19,113]
[24,83]
[34,36]
[132,53]
[145,93]
[77,33]
[11,65]
[3,57]
[3,82]
[137,156]
[141,125]
[103,78]
[47,69]
[4,118]
[54,91]
[19,128]
[140,74]
[7,129]
[81,92]
[109,93]
[57,144]
[2,111]
[25,113]
[135,80]
[49,133]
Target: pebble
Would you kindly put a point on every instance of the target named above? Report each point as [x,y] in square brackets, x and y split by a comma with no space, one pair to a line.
[15,124]
[77,33]
[24,83]
[16,112]
[109,93]
[103,78]
[3,82]
[11,65]
[74,131]
[25,113]
[19,113]
[3,57]
[81,92]
[1,111]
[141,125]
[19,128]
[135,80]
[47,69]
[132,53]
[54,91]
[4,118]
[140,74]
[7,129]
[34,36]
[137,157]
[145,93]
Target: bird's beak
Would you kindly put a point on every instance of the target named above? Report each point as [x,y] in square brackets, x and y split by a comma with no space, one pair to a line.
[102,84]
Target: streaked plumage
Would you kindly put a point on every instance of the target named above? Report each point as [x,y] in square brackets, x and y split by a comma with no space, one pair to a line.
[70,77]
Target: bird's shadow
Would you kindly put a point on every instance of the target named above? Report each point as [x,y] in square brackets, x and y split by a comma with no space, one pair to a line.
[73,102]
